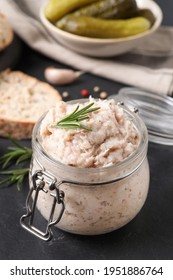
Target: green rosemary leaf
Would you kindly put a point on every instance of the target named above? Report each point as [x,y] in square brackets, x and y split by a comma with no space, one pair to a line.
[82,119]
[17,144]
[20,181]
[15,172]
[16,176]
[72,121]
[24,157]
[69,117]
[85,127]
[16,155]
[5,180]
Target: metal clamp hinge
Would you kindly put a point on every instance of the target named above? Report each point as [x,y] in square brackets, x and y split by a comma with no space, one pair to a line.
[42,181]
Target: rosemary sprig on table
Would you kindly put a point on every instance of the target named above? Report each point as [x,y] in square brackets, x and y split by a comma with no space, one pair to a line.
[16,155]
[14,176]
[73,120]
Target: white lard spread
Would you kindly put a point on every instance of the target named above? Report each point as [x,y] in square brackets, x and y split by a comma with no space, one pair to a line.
[112,139]
[94,209]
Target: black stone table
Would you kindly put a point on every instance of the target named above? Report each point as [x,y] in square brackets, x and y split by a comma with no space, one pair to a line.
[148,236]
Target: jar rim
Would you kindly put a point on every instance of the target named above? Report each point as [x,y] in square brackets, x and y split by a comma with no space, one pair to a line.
[142,147]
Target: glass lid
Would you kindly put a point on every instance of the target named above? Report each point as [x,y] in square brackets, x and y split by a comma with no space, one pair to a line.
[156,111]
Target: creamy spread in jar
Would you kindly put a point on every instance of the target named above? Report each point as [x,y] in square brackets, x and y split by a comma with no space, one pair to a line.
[112,138]
[103,172]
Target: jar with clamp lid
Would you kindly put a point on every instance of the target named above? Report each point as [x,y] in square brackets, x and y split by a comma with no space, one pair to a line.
[86,201]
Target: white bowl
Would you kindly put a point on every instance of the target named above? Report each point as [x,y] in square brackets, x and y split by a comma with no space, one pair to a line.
[104,47]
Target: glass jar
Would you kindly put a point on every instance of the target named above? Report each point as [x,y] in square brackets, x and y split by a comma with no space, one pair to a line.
[87,201]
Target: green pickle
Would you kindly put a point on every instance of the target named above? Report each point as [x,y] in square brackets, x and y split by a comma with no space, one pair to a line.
[117,9]
[102,28]
[56,9]
[147,14]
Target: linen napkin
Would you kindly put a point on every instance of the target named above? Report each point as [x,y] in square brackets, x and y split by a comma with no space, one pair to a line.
[149,67]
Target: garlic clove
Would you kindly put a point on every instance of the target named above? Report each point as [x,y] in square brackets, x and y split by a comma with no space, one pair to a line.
[58,76]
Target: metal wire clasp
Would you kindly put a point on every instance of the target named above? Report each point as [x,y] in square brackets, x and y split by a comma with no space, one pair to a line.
[42,181]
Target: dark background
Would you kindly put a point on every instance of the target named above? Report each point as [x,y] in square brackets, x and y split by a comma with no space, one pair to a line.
[148,236]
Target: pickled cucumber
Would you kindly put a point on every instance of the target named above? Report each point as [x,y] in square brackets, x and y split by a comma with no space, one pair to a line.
[147,14]
[118,9]
[56,9]
[102,28]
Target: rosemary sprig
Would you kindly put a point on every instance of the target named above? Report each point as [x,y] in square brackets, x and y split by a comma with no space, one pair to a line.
[16,176]
[73,120]
[17,154]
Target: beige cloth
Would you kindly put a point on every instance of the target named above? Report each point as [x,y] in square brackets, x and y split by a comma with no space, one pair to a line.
[149,67]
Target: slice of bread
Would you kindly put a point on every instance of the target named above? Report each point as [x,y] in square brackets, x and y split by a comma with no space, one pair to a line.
[6,32]
[23,99]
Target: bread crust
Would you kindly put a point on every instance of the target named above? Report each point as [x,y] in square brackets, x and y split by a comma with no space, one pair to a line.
[16,130]
[6,32]
[20,127]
